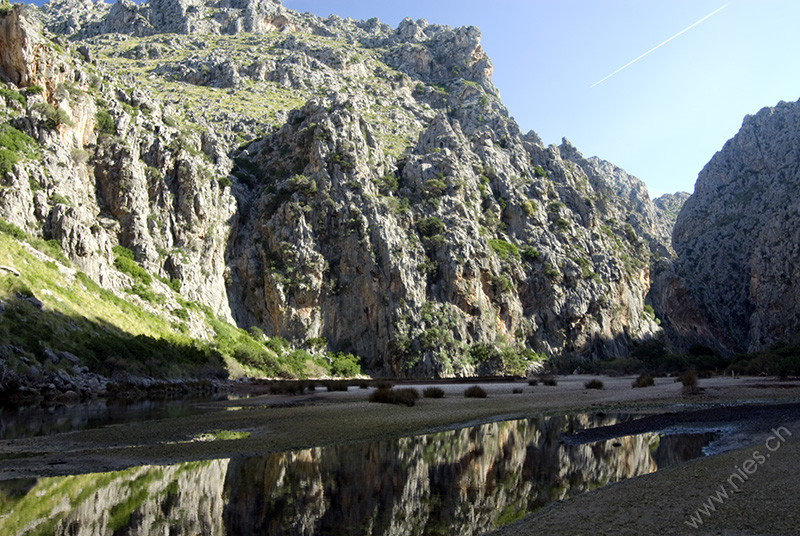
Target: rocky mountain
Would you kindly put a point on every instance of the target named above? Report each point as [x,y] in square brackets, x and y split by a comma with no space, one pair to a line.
[670,206]
[341,184]
[737,241]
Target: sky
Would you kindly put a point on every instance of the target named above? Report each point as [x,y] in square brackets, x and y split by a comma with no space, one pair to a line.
[662,117]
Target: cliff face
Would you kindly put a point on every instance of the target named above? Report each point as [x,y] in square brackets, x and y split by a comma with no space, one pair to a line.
[325,178]
[737,239]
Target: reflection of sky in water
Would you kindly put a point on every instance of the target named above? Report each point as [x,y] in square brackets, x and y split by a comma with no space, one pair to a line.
[464,481]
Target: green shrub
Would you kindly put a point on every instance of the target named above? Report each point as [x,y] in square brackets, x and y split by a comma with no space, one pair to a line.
[504,249]
[14,144]
[517,390]
[530,253]
[430,226]
[345,365]
[303,184]
[501,284]
[33,89]
[593,384]
[52,117]
[433,392]
[533,382]
[104,124]
[224,182]
[406,397]
[475,391]
[550,381]
[435,187]
[389,182]
[539,171]
[12,96]
[644,380]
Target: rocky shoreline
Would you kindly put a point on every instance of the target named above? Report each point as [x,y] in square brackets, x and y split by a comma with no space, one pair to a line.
[62,379]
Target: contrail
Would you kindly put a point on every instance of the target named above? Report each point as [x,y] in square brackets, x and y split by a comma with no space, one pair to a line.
[660,45]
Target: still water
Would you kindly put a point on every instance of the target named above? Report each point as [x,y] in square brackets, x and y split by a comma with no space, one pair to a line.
[30,421]
[465,481]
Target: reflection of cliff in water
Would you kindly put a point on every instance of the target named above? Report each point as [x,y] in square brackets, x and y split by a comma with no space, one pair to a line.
[463,481]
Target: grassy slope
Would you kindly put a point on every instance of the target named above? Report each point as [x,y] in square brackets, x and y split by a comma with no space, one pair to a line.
[111,332]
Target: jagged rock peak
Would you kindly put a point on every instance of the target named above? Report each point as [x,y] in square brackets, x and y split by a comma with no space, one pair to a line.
[738,238]
[629,194]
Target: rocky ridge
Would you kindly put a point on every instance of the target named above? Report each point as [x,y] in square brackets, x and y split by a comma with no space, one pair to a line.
[325,180]
[737,242]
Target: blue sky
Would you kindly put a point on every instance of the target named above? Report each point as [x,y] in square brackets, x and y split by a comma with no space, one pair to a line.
[663,117]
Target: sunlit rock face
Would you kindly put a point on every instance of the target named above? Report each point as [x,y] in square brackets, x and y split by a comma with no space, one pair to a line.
[323,178]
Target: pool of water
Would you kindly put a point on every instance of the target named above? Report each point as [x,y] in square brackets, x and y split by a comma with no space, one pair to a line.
[465,481]
[31,421]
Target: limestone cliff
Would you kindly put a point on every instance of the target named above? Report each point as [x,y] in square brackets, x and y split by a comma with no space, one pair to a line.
[737,241]
[324,180]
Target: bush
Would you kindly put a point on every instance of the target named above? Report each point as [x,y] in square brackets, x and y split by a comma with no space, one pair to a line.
[337,386]
[52,117]
[550,381]
[593,384]
[475,392]
[435,187]
[407,396]
[345,365]
[13,143]
[431,226]
[689,381]
[303,184]
[533,382]
[644,380]
[502,284]
[433,392]
[517,390]
[504,249]
[12,96]
[103,123]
